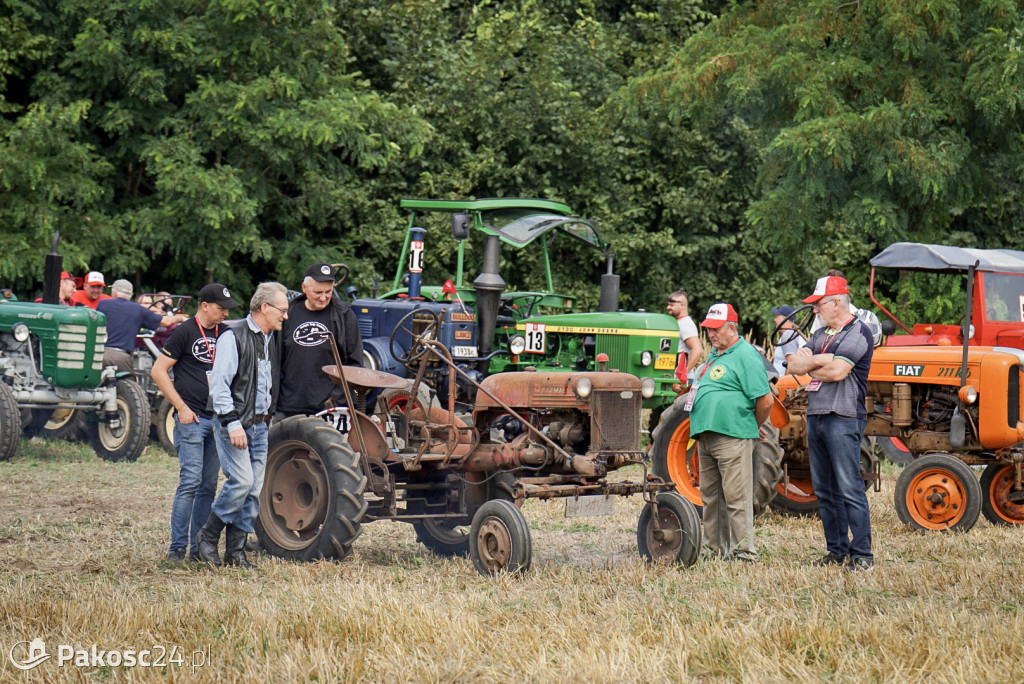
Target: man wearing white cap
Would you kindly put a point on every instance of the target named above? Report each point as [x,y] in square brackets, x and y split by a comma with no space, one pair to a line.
[91,293]
[728,400]
[838,358]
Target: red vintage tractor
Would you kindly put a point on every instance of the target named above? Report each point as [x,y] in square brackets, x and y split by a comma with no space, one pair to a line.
[461,479]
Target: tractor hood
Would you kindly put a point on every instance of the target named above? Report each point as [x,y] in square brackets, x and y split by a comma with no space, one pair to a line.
[608,323]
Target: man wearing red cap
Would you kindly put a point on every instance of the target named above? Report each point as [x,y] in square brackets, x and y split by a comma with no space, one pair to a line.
[728,400]
[838,358]
[91,293]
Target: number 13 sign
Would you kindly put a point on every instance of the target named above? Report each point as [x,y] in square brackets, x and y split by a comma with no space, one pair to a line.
[535,338]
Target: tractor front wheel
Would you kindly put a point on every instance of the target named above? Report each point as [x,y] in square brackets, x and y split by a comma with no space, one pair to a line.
[125,440]
[312,502]
[938,493]
[996,488]
[10,423]
[165,426]
[499,539]
[443,536]
[674,534]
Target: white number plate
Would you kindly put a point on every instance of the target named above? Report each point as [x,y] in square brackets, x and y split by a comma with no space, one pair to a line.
[464,352]
[535,338]
[586,506]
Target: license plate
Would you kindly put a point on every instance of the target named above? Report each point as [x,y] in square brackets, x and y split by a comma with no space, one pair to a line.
[587,506]
[665,362]
[464,351]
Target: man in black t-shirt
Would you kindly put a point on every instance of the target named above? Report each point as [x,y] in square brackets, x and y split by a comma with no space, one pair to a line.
[190,350]
[306,348]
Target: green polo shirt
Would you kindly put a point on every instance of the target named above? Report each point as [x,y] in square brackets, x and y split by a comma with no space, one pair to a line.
[729,386]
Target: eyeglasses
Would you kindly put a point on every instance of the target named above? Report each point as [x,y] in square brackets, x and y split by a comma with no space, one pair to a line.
[821,303]
[284,311]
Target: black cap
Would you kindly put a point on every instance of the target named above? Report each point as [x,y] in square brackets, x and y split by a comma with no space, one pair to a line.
[322,273]
[784,310]
[215,293]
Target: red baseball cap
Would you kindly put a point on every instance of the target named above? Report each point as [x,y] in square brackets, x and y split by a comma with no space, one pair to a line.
[829,285]
[64,275]
[719,315]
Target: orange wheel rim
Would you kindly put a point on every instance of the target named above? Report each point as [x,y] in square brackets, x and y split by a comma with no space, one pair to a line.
[998,493]
[683,463]
[797,490]
[936,498]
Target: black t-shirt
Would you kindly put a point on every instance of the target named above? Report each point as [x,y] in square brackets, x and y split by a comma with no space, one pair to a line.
[307,349]
[193,350]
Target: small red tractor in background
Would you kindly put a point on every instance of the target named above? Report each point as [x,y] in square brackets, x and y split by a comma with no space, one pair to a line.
[460,479]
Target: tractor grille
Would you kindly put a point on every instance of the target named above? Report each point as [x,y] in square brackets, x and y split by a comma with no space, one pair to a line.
[615,422]
[73,350]
[1013,397]
[617,349]
[366,328]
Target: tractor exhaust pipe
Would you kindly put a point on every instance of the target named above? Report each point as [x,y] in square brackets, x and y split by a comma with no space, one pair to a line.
[416,261]
[609,288]
[51,273]
[488,285]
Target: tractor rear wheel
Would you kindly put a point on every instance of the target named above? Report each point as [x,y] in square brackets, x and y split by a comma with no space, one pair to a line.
[312,503]
[797,498]
[499,539]
[165,426]
[674,456]
[10,423]
[938,493]
[126,441]
[996,486]
[895,451]
[678,535]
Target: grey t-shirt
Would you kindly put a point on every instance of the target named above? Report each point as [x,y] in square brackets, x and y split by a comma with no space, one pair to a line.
[855,344]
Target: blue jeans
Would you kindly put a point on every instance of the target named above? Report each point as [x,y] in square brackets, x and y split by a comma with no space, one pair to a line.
[239,500]
[833,444]
[197,482]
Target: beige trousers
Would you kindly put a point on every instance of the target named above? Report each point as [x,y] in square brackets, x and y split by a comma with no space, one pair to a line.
[726,488]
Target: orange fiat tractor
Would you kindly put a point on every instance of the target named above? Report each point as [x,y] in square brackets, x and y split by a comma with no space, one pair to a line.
[949,400]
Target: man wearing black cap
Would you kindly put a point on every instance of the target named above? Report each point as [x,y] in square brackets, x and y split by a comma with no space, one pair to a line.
[190,350]
[790,338]
[306,348]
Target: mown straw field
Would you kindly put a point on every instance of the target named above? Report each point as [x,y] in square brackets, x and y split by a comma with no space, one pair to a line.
[82,544]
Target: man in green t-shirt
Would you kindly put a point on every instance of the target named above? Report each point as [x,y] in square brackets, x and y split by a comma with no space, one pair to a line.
[728,400]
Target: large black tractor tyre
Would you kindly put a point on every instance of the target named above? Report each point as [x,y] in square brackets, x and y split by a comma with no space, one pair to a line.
[10,423]
[678,535]
[126,441]
[313,498]
[998,501]
[60,423]
[164,424]
[674,457]
[445,537]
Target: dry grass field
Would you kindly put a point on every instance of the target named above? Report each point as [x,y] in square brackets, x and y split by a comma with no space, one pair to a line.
[82,544]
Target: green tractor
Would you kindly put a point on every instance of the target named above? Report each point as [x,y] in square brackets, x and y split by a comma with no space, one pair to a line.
[493,328]
[51,368]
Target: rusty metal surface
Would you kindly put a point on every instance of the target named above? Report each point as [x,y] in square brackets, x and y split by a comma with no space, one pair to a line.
[548,389]
[555,491]
[615,420]
[365,377]
[300,492]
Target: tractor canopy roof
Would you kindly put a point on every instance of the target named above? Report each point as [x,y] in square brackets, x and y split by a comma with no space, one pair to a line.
[517,221]
[921,257]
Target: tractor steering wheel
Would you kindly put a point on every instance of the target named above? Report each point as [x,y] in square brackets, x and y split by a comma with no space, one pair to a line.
[429,329]
[341,272]
[801,319]
[530,300]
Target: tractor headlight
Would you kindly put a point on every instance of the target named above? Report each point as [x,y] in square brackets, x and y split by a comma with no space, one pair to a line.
[20,332]
[970,332]
[583,388]
[968,394]
[646,358]
[647,387]
[517,345]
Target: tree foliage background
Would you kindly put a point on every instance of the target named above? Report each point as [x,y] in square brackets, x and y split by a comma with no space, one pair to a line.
[735,149]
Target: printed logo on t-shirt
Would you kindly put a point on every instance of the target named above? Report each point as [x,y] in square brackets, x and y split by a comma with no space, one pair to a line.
[310,334]
[717,372]
[203,349]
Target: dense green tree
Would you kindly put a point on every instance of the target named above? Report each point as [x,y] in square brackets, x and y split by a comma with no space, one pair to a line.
[878,120]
